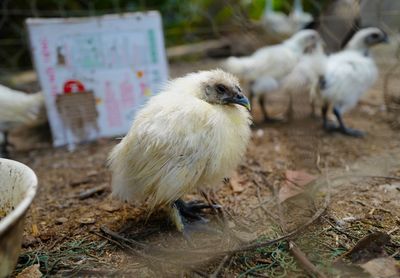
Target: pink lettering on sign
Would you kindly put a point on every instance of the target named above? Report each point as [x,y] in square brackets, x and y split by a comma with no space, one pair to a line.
[51,76]
[114,117]
[127,93]
[44,44]
[50,71]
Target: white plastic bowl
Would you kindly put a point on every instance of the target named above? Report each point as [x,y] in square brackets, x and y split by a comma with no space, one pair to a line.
[18,184]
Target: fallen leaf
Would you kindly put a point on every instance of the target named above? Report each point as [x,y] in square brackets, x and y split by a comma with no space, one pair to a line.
[296,182]
[86,220]
[109,207]
[368,248]
[61,220]
[30,272]
[236,183]
[382,267]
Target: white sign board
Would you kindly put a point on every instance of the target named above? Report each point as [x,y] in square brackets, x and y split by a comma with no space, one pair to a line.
[96,72]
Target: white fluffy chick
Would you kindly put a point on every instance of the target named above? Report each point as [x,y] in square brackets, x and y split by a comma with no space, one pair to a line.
[298,17]
[349,74]
[276,23]
[283,26]
[304,78]
[265,69]
[192,134]
[17,109]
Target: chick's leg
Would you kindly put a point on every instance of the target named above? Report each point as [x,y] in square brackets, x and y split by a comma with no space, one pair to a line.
[192,210]
[290,110]
[326,124]
[346,130]
[267,118]
[4,146]
[313,109]
[185,216]
[313,100]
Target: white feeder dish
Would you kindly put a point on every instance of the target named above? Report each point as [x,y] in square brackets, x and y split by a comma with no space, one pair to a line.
[18,185]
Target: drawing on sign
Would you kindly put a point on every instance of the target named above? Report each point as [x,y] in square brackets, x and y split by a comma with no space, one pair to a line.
[78,114]
[96,72]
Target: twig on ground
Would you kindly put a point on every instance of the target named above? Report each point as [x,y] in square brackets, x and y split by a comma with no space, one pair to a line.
[220,266]
[260,205]
[302,259]
[393,230]
[318,163]
[117,236]
[340,230]
[92,191]
[123,246]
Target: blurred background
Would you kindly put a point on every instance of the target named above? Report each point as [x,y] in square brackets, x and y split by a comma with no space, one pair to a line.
[184,21]
[205,31]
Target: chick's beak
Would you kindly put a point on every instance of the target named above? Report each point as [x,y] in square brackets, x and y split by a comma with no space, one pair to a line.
[239,99]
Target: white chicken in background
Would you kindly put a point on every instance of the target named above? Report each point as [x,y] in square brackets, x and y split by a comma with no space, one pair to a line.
[349,74]
[280,25]
[298,17]
[190,135]
[276,23]
[266,68]
[17,109]
[304,78]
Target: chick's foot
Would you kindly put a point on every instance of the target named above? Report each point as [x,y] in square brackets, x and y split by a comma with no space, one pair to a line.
[331,127]
[188,217]
[352,132]
[193,210]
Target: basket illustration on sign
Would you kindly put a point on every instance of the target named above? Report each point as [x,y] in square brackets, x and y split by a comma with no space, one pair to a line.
[77,109]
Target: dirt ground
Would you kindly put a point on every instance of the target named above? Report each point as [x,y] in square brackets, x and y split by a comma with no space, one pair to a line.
[356,193]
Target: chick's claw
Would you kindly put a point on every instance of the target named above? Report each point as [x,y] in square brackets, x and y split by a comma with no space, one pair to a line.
[352,132]
[194,208]
[331,127]
[188,219]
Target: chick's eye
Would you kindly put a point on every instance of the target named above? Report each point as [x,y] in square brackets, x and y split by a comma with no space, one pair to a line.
[221,89]
[375,36]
